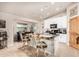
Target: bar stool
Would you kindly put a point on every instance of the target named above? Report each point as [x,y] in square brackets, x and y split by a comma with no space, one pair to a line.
[41,45]
[27,40]
[44,46]
[38,46]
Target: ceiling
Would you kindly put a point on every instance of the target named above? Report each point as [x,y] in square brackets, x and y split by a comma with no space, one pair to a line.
[34,10]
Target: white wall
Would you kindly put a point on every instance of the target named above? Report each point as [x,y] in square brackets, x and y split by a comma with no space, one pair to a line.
[61,22]
[39,28]
[11,21]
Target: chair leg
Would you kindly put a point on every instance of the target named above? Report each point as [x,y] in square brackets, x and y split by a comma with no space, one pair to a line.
[37,52]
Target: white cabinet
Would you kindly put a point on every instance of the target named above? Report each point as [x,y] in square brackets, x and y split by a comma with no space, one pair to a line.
[63,38]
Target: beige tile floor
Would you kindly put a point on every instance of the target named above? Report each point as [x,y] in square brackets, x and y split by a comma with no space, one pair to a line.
[61,50]
[12,51]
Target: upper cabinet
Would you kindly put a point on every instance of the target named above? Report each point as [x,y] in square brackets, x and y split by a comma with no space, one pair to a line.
[73,11]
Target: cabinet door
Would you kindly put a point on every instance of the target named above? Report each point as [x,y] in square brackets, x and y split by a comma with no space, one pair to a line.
[73,25]
[74,31]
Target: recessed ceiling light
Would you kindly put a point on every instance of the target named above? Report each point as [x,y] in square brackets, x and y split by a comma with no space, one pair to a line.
[42,9]
[57,9]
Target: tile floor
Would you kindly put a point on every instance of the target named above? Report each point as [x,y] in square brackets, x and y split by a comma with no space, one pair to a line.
[61,50]
[12,51]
